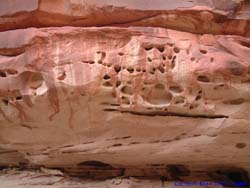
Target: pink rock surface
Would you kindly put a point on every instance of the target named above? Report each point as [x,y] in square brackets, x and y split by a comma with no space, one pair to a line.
[71,95]
[197,16]
[128,96]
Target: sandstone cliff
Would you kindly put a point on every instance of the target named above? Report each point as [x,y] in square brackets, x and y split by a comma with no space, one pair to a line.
[153,89]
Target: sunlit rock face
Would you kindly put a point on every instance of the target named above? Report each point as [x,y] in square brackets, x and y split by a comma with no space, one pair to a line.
[196,16]
[134,101]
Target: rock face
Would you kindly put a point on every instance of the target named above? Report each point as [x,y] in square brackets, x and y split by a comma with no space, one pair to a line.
[126,101]
[196,16]
[36,179]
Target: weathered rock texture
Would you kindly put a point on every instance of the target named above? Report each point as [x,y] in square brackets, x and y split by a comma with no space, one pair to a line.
[139,101]
[197,16]
[37,179]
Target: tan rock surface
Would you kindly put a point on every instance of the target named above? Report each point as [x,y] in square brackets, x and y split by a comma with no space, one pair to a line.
[124,100]
[37,179]
[196,16]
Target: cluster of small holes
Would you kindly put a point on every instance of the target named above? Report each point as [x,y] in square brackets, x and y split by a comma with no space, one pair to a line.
[167,59]
[155,94]
[166,56]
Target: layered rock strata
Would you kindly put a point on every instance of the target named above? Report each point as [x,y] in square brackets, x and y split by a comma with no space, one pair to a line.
[104,102]
[196,16]
[73,95]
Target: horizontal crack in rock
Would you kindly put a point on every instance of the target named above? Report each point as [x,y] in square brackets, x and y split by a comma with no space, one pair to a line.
[162,113]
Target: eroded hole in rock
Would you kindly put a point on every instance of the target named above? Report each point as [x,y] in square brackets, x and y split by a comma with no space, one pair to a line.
[130,69]
[3,74]
[235,101]
[12,52]
[203,51]
[89,62]
[161,69]
[161,48]
[117,68]
[180,100]
[107,84]
[240,145]
[97,164]
[193,106]
[170,56]
[164,57]
[245,44]
[106,77]
[35,79]
[177,170]
[221,86]
[176,88]
[133,143]
[138,69]
[5,101]
[113,94]
[203,78]
[118,83]
[152,71]
[116,145]
[235,68]
[147,48]
[192,59]
[196,135]
[120,53]
[232,177]
[11,71]
[198,97]
[149,59]
[18,98]
[160,86]
[159,95]
[125,100]
[103,54]
[127,90]
[177,50]
[62,76]
[173,62]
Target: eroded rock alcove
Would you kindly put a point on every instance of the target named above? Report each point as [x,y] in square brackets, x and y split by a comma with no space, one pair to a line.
[108,89]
